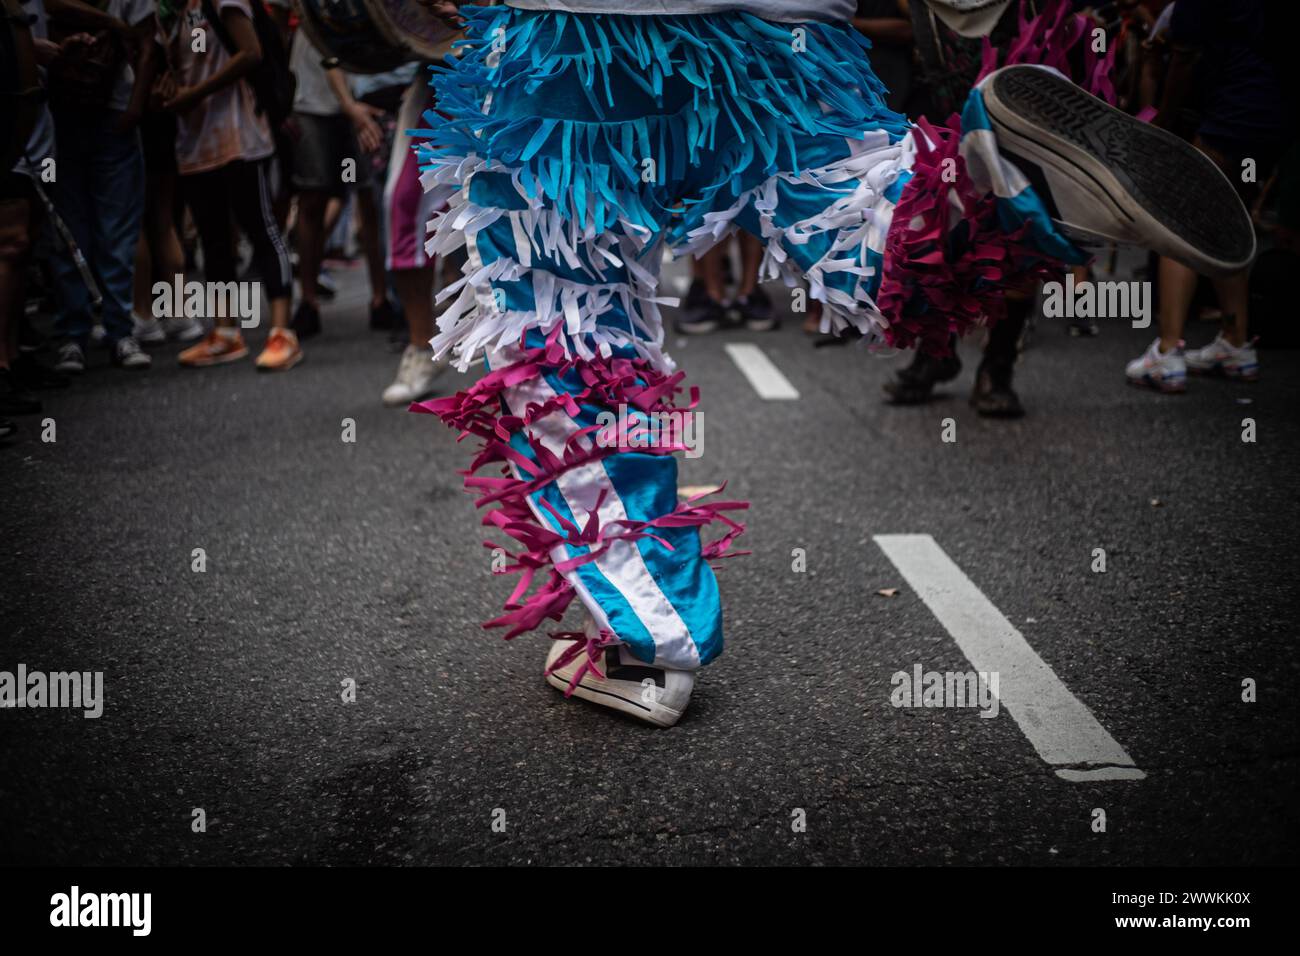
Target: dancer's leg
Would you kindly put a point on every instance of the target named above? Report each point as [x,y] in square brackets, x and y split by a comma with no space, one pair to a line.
[559,296]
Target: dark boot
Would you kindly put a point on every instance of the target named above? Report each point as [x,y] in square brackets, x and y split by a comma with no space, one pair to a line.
[913,385]
[993,396]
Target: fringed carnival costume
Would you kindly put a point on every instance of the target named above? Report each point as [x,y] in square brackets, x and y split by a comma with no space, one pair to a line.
[570,150]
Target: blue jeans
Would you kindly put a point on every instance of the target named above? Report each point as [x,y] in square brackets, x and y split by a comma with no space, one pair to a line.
[99,193]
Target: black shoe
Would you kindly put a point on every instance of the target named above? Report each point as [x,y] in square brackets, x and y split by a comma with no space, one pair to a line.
[14,399]
[756,311]
[306,321]
[1083,328]
[29,340]
[913,385]
[993,396]
[7,429]
[1110,176]
[700,314]
[384,317]
[31,374]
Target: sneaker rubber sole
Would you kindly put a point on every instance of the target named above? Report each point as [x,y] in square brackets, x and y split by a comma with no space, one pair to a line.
[1223,371]
[224,359]
[655,713]
[1175,386]
[1155,189]
[284,367]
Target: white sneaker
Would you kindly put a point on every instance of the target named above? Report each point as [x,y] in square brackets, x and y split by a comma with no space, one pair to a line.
[128,354]
[612,677]
[183,328]
[415,377]
[1166,371]
[147,330]
[1223,358]
[71,360]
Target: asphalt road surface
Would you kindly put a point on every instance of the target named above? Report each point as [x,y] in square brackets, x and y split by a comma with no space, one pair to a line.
[329,561]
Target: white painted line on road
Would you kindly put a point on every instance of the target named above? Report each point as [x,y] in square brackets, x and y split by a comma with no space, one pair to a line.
[1057,724]
[762,374]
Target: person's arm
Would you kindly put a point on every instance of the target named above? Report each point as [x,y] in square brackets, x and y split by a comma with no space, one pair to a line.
[362,115]
[143,69]
[46,51]
[248,53]
[1178,85]
[87,17]
[448,11]
[891,30]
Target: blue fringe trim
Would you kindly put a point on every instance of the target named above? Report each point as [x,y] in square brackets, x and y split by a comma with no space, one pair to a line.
[734,92]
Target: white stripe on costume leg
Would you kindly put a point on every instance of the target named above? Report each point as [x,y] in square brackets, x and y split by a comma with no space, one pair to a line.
[621,561]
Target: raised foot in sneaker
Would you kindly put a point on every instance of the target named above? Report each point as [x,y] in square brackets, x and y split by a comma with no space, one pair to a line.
[282,351]
[1221,357]
[1164,371]
[1115,178]
[599,669]
[215,349]
[416,374]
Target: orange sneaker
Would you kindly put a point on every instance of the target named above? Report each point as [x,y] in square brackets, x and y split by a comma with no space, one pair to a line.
[282,351]
[214,349]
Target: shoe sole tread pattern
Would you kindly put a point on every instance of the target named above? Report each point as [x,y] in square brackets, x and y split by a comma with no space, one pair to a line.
[1170,179]
[657,714]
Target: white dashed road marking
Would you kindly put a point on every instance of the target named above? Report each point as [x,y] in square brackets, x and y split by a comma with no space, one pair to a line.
[762,374]
[1060,727]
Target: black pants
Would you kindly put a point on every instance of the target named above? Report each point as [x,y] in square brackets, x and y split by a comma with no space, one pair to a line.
[244,189]
[1004,337]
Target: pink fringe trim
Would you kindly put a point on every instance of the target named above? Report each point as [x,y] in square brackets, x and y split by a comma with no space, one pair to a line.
[1048,39]
[608,383]
[930,292]
[590,648]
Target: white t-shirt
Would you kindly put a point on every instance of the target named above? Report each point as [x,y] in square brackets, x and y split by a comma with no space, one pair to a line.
[133,13]
[225,126]
[312,93]
[788,11]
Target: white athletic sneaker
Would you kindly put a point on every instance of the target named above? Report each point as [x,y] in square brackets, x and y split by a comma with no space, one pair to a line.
[415,376]
[1166,371]
[1223,358]
[128,354]
[147,330]
[612,677]
[71,360]
[184,328]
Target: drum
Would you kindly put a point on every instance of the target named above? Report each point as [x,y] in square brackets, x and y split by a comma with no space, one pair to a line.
[374,36]
[20,86]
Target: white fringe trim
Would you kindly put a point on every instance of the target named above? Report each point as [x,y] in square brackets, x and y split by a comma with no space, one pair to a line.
[472,323]
[466,327]
[861,217]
